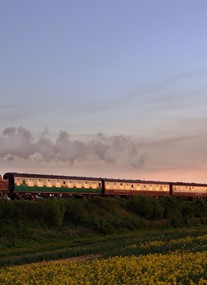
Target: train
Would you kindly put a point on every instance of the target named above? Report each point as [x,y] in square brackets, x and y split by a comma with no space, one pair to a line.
[15,185]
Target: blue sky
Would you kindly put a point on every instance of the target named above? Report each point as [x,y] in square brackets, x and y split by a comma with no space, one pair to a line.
[104,88]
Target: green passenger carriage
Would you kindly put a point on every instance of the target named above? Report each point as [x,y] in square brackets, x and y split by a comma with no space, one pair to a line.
[30,185]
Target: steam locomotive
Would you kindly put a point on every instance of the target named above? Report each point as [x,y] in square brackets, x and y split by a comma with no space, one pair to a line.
[32,186]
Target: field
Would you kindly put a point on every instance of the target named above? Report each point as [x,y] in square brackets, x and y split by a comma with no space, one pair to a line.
[168,257]
[140,240]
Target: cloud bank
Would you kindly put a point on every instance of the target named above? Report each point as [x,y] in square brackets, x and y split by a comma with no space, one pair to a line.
[180,157]
[19,143]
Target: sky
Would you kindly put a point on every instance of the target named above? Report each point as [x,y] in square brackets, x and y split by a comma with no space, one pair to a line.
[109,88]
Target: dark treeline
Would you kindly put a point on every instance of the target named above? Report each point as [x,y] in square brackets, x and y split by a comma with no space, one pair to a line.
[99,215]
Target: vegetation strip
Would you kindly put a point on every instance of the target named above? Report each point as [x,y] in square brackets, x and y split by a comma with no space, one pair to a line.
[32,231]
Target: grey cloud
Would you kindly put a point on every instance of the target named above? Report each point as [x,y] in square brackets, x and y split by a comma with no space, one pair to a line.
[16,143]
[19,143]
[104,154]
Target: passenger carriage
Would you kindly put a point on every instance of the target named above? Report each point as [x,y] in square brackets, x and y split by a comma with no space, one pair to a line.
[39,185]
[135,187]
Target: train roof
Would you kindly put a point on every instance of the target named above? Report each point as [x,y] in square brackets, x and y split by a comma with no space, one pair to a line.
[46,176]
[153,182]
[188,184]
[134,181]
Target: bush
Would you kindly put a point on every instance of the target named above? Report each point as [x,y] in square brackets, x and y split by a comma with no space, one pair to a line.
[200,208]
[146,207]
[57,211]
[100,214]
[76,211]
